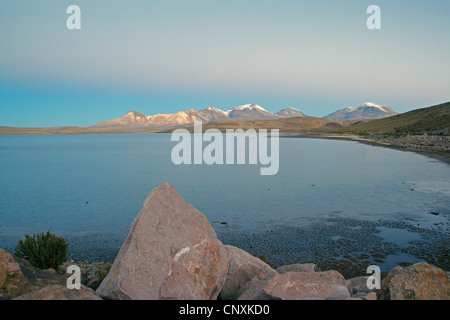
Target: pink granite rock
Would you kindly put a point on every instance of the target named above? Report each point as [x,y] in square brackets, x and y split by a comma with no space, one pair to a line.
[171,252]
[421,281]
[242,270]
[299,286]
[12,281]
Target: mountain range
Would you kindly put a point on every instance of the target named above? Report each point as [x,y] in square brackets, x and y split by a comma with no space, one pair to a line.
[248,112]
[210,114]
[432,120]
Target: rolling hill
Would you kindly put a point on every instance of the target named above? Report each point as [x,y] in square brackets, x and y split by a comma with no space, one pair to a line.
[299,124]
[434,120]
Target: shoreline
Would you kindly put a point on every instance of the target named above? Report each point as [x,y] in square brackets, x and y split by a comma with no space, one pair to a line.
[337,242]
[442,156]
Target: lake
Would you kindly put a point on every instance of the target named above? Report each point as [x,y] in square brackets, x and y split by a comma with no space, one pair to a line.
[332,202]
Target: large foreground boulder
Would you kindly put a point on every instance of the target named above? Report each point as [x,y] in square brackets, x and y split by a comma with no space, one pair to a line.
[421,281]
[299,286]
[12,281]
[60,292]
[242,270]
[171,252]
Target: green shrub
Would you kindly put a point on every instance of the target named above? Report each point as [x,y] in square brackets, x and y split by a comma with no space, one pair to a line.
[43,250]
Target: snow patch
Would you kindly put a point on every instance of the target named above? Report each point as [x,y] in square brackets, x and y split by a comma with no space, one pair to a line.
[373,105]
[249,106]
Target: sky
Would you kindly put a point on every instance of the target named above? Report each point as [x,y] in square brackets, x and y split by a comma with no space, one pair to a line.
[166,56]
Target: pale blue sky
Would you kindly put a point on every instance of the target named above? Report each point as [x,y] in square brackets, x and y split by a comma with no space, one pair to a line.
[165,56]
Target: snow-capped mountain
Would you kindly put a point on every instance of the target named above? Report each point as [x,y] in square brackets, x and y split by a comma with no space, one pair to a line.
[178,118]
[365,111]
[213,114]
[132,118]
[250,112]
[241,113]
[290,113]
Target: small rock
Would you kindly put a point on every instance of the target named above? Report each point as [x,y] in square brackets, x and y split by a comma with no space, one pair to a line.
[254,290]
[50,271]
[39,278]
[358,284]
[243,268]
[60,292]
[92,273]
[365,295]
[304,267]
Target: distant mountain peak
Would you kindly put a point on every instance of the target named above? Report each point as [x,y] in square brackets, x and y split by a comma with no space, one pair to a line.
[290,113]
[369,104]
[250,111]
[134,113]
[366,111]
[250,106]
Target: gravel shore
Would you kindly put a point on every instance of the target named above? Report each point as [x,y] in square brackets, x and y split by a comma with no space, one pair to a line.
[416,142]
[435,146]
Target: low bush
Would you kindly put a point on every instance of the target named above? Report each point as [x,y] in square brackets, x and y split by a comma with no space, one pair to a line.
[43,250]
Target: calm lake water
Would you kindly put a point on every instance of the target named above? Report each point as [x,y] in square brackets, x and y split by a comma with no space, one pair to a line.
[80,185]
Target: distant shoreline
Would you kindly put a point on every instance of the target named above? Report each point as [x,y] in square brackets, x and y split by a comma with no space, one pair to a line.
[442,156]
